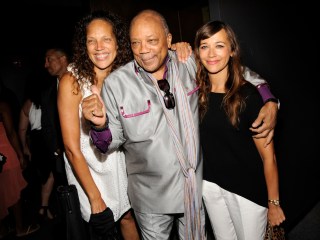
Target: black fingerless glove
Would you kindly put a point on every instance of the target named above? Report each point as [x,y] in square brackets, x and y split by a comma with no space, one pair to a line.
[102,225]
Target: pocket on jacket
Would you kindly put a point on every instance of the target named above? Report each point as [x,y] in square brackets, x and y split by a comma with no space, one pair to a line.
[138,120]
[128,114]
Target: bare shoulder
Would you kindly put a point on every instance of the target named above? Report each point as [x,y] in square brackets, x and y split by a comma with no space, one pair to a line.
[67,79]
[68,83]
[26,106]
[69,90]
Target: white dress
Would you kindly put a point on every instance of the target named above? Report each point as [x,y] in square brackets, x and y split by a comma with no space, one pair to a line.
[108,170]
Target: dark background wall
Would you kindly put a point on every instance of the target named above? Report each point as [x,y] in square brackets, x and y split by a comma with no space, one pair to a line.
[29,27]
[278,41]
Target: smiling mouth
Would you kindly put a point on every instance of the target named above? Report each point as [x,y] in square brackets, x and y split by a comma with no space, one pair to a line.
[147,61]
[102,56]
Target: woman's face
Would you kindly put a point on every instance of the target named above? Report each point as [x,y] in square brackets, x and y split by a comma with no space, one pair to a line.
[215,52]
[101,44]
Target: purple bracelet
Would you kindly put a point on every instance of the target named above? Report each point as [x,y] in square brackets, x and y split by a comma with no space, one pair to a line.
[265,92]
[101,139]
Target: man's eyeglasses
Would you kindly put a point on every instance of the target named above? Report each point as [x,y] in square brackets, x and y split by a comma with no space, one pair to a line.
[168,98]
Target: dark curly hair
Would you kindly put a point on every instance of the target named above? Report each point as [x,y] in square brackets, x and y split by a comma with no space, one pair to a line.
[83,66]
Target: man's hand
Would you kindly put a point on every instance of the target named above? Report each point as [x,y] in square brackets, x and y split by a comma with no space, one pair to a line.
[183,50]
[265,123]
[93,108]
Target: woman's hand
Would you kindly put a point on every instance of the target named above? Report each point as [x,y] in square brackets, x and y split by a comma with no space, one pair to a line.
[93,108]
[275,215]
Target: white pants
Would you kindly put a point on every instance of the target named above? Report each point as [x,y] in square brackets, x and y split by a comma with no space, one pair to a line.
[233,217]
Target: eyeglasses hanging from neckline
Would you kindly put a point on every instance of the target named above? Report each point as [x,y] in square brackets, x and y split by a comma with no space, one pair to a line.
[168,97]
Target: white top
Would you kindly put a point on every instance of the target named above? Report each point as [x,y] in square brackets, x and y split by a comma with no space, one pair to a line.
[35,117]
[108,171]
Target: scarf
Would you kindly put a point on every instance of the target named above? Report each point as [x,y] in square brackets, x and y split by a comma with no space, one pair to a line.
[188,155]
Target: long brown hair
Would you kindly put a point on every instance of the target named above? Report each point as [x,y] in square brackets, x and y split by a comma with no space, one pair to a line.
[233,102]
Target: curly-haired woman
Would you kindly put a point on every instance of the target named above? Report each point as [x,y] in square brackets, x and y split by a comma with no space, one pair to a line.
[100,45]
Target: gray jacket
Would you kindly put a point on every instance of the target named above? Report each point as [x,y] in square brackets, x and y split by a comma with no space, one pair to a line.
[137,122]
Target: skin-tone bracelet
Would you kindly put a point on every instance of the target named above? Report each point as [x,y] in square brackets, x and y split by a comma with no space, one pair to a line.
[275,202]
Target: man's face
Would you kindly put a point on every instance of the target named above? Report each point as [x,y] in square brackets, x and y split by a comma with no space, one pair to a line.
[54,63]
[150,43]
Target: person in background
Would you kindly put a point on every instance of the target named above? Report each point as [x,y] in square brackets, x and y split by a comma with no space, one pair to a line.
[34,147]
[152,113]
[13,101]
[100,46]
[56,62]
[11,178]
[240,178]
